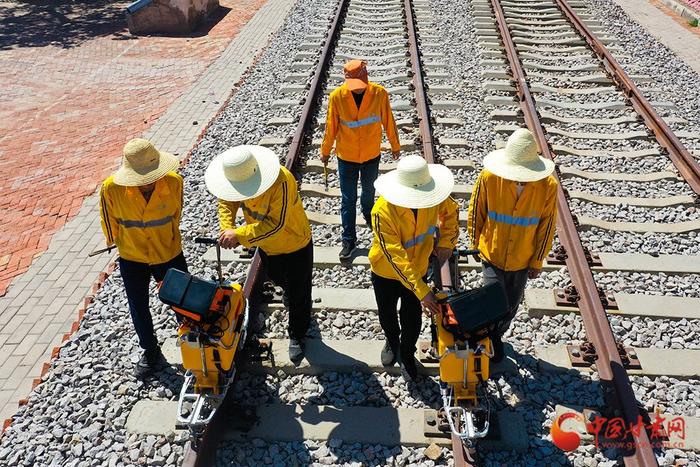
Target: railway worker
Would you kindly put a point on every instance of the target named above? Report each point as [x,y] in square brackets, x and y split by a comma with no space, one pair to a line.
[512,217]
[415,202]
[250,177]
[357,111]
[140,210]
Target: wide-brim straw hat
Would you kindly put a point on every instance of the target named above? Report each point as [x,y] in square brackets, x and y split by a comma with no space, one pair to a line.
[242,172]
[415,184]
[519,160]
[143,164]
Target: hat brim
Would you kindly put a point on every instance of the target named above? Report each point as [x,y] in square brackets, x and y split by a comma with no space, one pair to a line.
[425,196]
[127,176]
[496,163]
[355,84]
[223,188]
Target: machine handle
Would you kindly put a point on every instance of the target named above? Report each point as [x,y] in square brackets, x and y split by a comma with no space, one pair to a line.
[206,240]
[473,253]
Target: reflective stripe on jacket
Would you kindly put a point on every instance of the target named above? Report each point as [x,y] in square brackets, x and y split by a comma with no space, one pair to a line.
[146,233]
[357,133]
[403,244]
[512,233]
[275,221]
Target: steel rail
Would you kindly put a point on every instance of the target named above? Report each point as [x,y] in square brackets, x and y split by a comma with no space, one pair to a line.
[686,165]
[608,362]
[461,456]
[204,455]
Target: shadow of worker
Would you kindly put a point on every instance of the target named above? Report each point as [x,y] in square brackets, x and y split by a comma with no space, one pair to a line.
[352,420]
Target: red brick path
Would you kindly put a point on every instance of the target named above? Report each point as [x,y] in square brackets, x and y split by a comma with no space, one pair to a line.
[74,87]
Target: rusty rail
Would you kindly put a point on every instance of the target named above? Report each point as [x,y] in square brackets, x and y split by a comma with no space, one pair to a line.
[205,453]
[462,457]
[686,165]
[598,331]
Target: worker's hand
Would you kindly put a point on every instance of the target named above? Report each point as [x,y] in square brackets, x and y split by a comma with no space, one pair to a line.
[430,304]
[325,159]
[443,254]
[395,155]
[228,239]
[533,273]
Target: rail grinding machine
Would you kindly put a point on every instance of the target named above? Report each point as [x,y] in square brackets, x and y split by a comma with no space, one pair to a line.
[462,346]
[213,316]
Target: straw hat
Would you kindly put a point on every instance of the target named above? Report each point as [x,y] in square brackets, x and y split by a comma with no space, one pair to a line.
[519,160]
[143,164]
[242,172]
[356,77]
[415,184]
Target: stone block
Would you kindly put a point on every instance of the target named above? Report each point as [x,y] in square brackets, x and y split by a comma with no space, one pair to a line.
[167,16]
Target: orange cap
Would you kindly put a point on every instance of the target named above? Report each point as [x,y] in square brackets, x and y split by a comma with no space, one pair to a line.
[356,75]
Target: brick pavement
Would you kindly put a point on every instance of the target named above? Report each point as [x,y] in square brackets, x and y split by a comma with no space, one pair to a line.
[41,305]
[75,87]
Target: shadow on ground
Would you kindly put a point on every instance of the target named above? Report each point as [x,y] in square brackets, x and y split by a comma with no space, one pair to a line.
[67,24]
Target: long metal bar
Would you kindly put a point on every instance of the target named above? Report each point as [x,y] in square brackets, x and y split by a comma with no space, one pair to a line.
[598,331]
[204,454]
[461,456]
[686,165]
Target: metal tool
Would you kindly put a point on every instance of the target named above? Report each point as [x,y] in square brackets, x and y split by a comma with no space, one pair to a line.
[325,175]
[103,250]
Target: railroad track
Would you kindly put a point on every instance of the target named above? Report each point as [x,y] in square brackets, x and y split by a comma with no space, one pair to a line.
[557,65]
[395,62]
[386,34]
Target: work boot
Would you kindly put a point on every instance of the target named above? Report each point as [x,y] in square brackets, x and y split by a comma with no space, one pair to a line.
[151,360]
[346,251]
[497,344]
[296,350]
[408,369]
[388,355]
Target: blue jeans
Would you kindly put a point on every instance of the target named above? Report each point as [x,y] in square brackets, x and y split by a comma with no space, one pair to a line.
[348,173]
[137,277]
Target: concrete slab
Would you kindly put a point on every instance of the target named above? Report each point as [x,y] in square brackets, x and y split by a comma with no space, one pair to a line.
[342,356]
[152,417]
[541,302]
[389,426]
[677,363]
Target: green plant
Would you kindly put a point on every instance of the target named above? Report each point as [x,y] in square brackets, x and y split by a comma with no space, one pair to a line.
[693,22]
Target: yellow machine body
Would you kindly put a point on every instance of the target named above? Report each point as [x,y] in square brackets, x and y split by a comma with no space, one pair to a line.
[459,367]
[207,361]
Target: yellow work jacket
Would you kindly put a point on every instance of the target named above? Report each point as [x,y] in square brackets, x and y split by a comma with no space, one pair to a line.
[512,233]
[403,242]
[357,133]
[146,233]
[275,221]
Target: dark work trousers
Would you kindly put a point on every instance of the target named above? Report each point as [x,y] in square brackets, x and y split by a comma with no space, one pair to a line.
[404,337]
[292,272]
[514,284]
[137,277]
[348,174]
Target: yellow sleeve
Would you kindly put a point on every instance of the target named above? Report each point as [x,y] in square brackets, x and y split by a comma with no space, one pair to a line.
[181,201]
[389,124]
[227,214]
[448,215]
[110,228]
[331,128]
[545,228]
[394,252]
[477,212]
[279,201]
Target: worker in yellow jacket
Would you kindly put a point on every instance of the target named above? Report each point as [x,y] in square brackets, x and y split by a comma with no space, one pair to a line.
[512,218]
[357,112]
[140,210]
[250,177]
[415,202]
